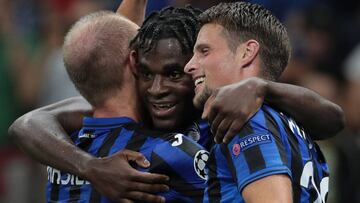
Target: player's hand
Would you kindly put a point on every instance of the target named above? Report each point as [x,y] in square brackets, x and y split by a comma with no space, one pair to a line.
[114,177]
[231,106]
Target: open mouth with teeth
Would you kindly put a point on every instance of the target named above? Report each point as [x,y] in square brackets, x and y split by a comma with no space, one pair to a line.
[163,110]
[163,106]
[199,81]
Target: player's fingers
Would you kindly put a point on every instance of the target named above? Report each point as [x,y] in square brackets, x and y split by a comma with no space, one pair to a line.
[207,107]
[139,158]
[216,122]
[222,129]
[150,188]
[145,197]
[213,112]
[145,177]
[234,128]
[125,201]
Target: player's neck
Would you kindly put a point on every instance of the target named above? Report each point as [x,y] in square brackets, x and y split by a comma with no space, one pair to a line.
[122,104]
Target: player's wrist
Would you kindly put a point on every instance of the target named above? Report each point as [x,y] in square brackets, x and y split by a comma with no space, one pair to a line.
[85,167]
[260,86]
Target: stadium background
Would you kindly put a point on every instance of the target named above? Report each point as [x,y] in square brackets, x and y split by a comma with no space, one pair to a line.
[325,37]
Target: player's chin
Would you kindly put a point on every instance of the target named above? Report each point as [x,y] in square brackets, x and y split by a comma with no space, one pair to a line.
[165,124]
[199,101]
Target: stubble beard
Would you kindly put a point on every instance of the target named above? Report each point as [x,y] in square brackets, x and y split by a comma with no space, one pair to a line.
[201,98]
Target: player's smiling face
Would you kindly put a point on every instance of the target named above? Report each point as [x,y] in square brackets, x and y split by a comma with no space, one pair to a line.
[213,63]
[166,91]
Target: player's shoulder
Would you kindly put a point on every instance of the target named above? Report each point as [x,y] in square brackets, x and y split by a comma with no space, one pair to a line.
[263,127]
[266,112]
[263,120]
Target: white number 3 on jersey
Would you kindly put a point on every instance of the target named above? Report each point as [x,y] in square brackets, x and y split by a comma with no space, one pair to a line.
[178,141]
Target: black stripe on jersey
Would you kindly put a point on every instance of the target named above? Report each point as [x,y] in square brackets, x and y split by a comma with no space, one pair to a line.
[74,195]
[54,193]
[93,125]
[104,151]
[275,130]
[253,155]
[225,151]
[148,132]
[177,183]
[254,159]
[296,162]
[136,141]
[213,183]
[75,190]
[246,130]
[186,146]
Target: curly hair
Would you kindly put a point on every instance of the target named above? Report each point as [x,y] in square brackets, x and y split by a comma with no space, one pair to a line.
[170,22]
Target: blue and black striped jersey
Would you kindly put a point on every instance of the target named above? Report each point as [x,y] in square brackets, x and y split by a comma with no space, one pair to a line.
[173,154]
[270,143]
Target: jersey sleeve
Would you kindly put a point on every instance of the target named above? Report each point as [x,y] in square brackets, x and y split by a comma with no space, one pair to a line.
[257,151]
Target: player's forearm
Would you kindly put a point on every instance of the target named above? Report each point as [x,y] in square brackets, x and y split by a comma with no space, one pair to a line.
[133,10]
[69,113]
[41,136]
[319,116]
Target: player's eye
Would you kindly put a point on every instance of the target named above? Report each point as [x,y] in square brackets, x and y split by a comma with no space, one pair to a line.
[146,75]
[204,51]
[175,74]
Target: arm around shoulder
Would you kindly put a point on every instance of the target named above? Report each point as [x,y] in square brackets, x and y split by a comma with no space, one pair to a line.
[41,134]
[320,117]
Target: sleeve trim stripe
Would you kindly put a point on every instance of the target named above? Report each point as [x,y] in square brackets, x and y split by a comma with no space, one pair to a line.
[263,173]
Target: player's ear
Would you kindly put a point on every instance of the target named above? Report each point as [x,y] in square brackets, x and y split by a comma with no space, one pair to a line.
[248,51]
[134,62]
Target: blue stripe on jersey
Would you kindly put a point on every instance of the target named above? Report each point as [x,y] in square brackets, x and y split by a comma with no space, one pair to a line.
[301,137]
[86,190]
[106,123]
[97,143]
[100,139]
[205,135]
[146,149]
[269,152]
[176,182]
[84,195]
[229,192]
[285,152]
[121,141]
[309,154]
[301,148]
[284,136]
[168,156]
[105,200]
[63,190]
[169,196]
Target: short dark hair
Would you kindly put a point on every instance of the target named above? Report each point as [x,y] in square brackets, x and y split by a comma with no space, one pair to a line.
[95,51]
[170,22]
[243,21]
